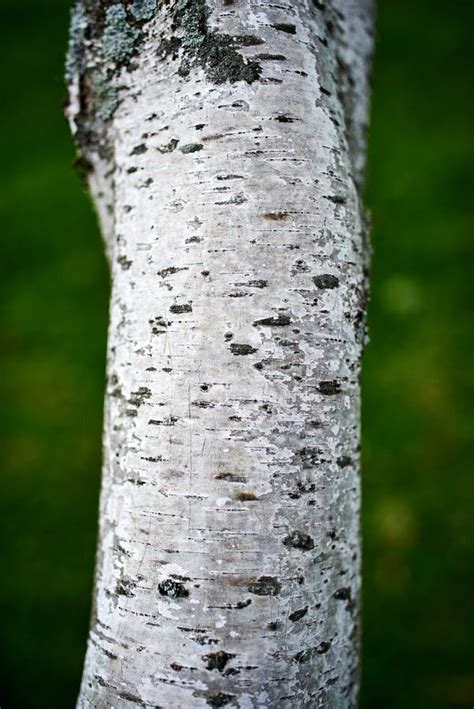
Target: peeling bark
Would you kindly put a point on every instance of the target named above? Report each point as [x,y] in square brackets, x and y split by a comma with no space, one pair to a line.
[223,143]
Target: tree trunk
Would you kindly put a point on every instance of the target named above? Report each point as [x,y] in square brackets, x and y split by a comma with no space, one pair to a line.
[223,143]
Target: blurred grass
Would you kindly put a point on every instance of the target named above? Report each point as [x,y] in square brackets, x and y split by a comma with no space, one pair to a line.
[418,487]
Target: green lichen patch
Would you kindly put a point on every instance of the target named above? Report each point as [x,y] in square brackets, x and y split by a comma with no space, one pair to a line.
[143,10]
[103,38]
[119,37]
[214,52]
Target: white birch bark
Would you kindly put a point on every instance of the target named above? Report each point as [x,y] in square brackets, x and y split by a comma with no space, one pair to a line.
[223,144]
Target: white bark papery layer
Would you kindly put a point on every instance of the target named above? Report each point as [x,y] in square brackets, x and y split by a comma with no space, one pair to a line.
[228,569]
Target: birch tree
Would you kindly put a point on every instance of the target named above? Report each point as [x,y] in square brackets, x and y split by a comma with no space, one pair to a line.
[223,145]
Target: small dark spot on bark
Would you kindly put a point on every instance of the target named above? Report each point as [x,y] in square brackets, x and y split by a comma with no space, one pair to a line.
[124,263]
[248,40]
[259,283]
[191,148]
[220,699]
[265,586]
[139,149]
[299,266]
[243,604]
[299,540]
[284,119]
[297,615]
[276,321]
[139,396]
[230,177]
[245,496]
[176,666]
[239,349]
[169,147]
[284,27]
[323,647]
[228,336]
[172,589]
[131,698]
[326,280]
[170,270]
[124,588]
[273,625]
[305,488]
[231,477]
[217,660]
[110,655]
[237,199]
[275,216]
[307,655]
[202,404]
[343,594]
[177,309]
[336,198]
[329,388]
[271,57]
[205,273]
[309,456]
[344,461]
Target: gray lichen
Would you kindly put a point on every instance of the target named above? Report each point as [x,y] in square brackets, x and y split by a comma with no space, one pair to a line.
[118,40]
[103,38]
[75,58]
[216,53]
[143,9]
[104,97]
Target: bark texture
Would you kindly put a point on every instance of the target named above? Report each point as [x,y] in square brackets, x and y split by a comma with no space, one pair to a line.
[223,143]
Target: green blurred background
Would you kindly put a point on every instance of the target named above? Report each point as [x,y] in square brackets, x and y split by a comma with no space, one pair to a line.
[418,485]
